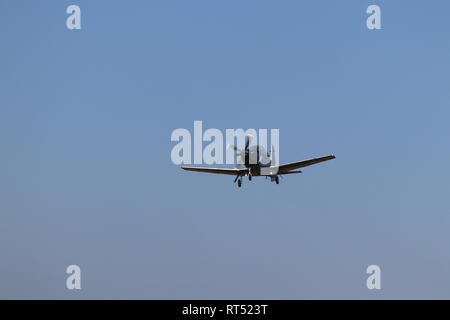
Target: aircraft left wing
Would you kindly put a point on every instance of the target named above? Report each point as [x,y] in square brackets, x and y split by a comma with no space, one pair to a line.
[229,171]
[285,168]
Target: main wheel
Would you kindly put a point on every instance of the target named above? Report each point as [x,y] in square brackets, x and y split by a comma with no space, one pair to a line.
[249,177]
[239,183]
[277,180]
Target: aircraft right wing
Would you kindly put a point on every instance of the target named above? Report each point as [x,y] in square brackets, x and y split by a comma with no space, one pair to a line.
[229,171]
[285,168]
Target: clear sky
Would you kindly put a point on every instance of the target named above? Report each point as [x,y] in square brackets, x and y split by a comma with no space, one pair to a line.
[85,170]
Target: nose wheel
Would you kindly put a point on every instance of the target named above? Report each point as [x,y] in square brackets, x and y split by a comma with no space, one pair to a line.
[277,180]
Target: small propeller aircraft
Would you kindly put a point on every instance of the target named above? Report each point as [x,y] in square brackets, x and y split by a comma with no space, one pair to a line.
[259,163]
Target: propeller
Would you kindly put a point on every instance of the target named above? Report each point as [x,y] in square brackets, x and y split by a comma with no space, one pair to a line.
[230,146]
[242,153]
[248,139]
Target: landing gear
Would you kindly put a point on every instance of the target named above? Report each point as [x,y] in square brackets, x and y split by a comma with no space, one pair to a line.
[238,180]
[275,178]
[249,177]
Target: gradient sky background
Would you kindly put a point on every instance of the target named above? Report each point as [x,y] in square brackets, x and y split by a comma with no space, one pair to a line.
[85,170]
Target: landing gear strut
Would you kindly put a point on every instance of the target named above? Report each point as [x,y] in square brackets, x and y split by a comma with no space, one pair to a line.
[238,180]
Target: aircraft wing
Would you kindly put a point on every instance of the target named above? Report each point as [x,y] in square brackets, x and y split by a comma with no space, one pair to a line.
[285,168]
[233,172]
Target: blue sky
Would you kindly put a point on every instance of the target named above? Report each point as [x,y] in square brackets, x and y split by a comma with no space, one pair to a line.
[86,177]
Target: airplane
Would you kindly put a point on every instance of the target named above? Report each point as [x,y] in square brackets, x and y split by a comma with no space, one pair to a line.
[260,164]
